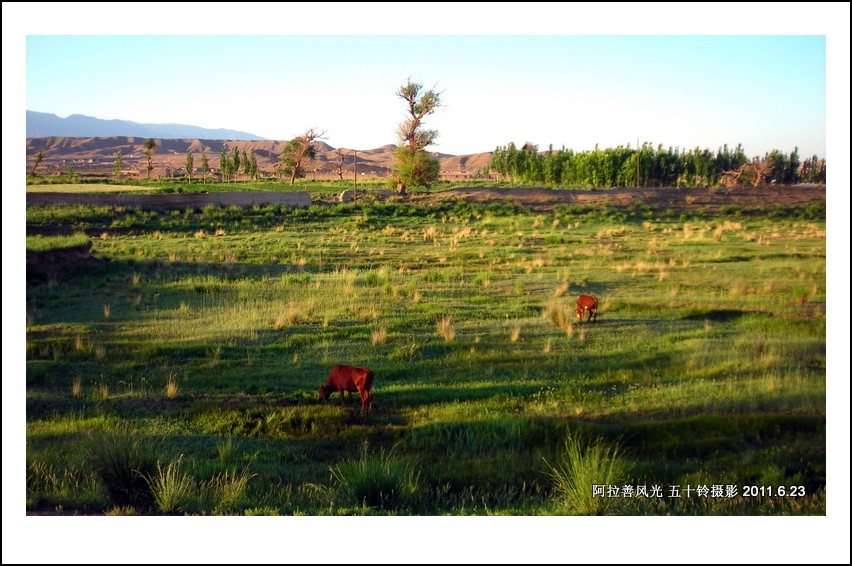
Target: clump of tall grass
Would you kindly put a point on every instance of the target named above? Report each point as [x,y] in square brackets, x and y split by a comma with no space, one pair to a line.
[227,449]
[76,387]
[560,314]
[728,226]
[562,290]
[215,356]
[171,390]
[379,335]
[482,278]
[446,328]
[289,317]
[407,353]
[802,295]
[515,333]
[229,489]
[121,511]
[583,464]
[430,233]
[737,288]
[122,461]
[381,481]
[172,490]
[368,313]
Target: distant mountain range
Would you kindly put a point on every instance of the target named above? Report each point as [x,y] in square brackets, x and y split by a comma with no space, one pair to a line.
[42,125]
[89,145]
[96,155]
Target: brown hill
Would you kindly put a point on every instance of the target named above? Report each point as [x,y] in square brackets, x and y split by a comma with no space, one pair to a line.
[96,156]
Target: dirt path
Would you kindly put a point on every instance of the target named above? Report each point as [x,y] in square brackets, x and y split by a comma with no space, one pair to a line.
[245,198]
[534,199]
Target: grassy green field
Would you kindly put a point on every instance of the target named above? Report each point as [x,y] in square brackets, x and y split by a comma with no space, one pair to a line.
[180,374]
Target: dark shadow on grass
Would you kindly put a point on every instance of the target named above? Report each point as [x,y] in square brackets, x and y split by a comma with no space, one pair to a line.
[716,315]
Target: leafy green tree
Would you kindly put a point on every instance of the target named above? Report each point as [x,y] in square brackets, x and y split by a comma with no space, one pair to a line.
[253,167]
[205,167]
[190,163]
[39,157]
[298,152]
[413,165]
[150,148]
[812,170]
[225,162]
[235,162]
[116,165]
[416,168]
[791,170]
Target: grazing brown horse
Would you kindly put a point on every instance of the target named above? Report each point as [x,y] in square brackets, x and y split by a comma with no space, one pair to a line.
[587,304]
[349,378]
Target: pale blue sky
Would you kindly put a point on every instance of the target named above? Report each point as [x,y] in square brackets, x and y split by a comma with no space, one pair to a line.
[764,91]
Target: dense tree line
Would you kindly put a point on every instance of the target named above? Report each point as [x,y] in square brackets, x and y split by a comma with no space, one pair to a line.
[230,163]
[617,167]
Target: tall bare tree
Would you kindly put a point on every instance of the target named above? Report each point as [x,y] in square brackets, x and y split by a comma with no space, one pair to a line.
[754,172]
[39,157]
[300,151]
[762,168]
[341,161]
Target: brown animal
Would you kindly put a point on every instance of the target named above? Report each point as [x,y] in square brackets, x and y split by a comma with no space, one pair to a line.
[348,379]
[587,303]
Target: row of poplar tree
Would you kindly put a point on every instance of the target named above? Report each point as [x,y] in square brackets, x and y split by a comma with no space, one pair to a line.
[617,167]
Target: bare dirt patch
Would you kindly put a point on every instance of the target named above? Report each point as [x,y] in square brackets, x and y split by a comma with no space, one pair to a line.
[659,198]
[165,201]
